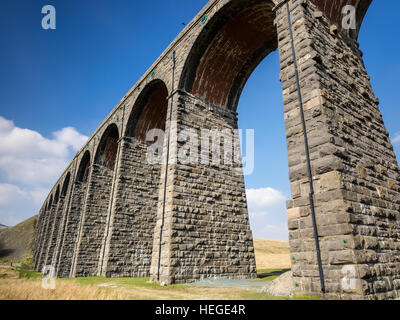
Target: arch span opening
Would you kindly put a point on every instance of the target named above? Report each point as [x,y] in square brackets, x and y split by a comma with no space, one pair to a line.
[228,50]
[66,185]
[83,171]
[57,195]
[149,111]
[107,150]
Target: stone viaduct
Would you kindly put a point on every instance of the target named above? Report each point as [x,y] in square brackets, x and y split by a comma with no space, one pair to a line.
[112,213]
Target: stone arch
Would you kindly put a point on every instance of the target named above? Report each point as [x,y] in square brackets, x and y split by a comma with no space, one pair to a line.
[234,41]
[73,216]
[57,195]
[107,149]
[66,185]
[133,215]
[50,203]
[47,230]
[58,221]
[59,224]
[149,111]
[41,233]
[95,218]
[52,225]
[84,166]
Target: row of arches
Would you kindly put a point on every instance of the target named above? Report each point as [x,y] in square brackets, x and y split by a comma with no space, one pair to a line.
[110,204]
[74,223]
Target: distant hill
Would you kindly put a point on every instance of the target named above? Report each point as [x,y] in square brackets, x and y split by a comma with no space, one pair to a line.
[18,241]
[2,227]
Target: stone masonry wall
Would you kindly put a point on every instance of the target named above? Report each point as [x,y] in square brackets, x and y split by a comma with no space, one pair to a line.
[93,222]
[46,236]
[54,230]
[206,231]
[355,172]
[67,194]
[129,250]
[38,236]
[71,230]
[41,237]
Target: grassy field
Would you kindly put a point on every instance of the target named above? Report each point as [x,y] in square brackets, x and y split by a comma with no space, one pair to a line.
[272,258]
[272,254]
[26,285]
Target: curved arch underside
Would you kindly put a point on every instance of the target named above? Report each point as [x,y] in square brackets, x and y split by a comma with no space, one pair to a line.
[83,171]
[66,185]
[232,49]
[107,150]
[149,112]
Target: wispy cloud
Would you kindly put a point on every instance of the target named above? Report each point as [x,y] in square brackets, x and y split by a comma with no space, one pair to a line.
[396,139]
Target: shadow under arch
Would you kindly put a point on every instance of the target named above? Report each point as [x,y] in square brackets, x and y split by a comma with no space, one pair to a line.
[149,111]
[49,204]
[83,170]
[57,195]
[231,45]
[66,184]
[107,149]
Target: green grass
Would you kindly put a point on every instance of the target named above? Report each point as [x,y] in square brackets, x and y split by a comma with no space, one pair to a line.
[22,273]
[25,260]
[139,282]
[249,295]
[264,275]
[269,274]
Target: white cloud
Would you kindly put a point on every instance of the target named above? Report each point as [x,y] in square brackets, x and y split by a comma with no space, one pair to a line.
[274,231]
[29,166]
[17,204]
[71,137]
[267,211]
[396,139]
[264,198]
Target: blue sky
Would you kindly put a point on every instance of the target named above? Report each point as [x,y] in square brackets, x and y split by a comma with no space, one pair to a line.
[57,86]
